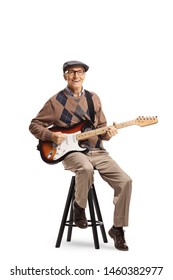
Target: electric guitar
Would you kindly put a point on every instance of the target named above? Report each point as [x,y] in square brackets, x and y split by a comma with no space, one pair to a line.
[52,153]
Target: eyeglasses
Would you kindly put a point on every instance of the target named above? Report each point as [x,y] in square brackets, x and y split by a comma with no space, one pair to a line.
[73,72]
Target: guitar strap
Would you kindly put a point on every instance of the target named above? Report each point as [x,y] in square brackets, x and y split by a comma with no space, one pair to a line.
[90,105]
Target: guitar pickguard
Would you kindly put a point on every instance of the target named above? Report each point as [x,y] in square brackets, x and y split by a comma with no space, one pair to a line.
[70,144]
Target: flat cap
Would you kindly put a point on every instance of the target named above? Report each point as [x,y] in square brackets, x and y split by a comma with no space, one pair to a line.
[74,63]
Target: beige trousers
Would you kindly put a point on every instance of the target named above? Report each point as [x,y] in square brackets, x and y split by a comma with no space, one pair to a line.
[83,166]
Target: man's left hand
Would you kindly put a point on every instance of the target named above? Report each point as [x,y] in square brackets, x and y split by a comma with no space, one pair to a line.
[112,131]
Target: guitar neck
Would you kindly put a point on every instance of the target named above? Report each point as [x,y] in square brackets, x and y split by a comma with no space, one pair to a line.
[87,134]
[125,124]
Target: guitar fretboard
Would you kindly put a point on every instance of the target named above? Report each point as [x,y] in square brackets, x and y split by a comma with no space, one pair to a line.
[124,124]
[87,134]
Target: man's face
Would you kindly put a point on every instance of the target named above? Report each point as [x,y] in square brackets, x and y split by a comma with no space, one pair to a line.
[75,76]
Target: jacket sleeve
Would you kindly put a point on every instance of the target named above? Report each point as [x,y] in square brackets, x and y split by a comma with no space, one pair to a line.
[39,125]
[100,119]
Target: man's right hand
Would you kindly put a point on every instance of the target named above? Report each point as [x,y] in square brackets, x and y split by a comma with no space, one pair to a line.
[58,137]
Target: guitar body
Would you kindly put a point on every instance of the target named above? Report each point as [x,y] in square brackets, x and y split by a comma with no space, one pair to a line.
[52,153]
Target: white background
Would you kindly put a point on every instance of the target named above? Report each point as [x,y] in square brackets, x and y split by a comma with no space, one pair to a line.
[128,46]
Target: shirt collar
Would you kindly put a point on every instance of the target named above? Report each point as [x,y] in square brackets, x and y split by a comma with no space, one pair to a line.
[71,93]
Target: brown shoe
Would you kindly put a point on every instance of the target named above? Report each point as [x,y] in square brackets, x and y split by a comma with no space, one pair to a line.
[79,216]
[119,240]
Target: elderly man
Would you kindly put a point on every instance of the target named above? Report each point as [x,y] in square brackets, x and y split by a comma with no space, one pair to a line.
[67,108]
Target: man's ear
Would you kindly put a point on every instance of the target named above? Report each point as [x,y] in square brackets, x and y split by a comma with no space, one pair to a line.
[65,77]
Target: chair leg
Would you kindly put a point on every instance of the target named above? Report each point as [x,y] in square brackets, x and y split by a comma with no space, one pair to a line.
[99,216]
[93,220]
[66,209]
[70,225]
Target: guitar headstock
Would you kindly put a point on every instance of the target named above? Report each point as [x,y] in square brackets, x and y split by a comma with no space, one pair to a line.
[144,121]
